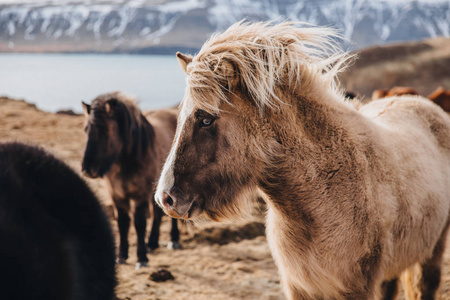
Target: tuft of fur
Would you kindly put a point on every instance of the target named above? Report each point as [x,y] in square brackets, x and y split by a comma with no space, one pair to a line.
[260,57]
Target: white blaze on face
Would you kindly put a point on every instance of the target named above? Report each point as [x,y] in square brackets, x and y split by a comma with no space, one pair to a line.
[167,179]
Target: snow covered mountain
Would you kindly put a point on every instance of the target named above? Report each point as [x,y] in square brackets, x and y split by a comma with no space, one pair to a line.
[162,26]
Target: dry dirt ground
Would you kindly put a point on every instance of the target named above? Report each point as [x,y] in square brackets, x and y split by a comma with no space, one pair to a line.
[218,261]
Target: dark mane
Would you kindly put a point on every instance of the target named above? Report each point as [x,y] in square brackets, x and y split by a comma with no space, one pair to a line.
[135,131]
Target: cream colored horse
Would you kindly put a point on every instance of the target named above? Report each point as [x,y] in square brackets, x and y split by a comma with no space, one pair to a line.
[356,196]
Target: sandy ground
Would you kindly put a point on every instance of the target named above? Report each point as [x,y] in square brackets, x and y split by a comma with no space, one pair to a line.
[218,261]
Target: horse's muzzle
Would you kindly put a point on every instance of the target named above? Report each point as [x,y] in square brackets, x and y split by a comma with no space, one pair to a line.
[89,173]
[176,208]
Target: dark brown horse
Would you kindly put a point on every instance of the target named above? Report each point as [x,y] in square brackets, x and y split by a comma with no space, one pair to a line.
[129,149]
[55,240]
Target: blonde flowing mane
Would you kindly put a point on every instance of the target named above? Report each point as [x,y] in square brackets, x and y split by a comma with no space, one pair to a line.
[261,56]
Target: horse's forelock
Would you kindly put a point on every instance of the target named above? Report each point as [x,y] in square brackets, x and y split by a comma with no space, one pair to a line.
[263,56]
[134,129]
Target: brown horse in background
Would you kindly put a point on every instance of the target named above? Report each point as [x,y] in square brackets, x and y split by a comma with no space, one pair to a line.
[356,194]
[395,91]
[129,149]
[441,97]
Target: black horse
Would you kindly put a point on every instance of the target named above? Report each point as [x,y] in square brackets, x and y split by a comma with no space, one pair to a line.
[129,149]
[55,240]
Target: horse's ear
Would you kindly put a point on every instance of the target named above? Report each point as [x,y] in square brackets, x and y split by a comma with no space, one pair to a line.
[110,105]
[184,60]
[86,108]
[377,94]
[107,107]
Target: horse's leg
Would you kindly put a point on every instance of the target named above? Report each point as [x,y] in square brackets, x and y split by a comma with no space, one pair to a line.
[123,221]
[175,235]
[431,270]
[140,223]
[153,240]
[422,281]
[389,289]
[409,280]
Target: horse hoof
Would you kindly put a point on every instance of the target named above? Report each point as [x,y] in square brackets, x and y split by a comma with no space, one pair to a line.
[174,245]
[151,249]
[121,261]
[142,264]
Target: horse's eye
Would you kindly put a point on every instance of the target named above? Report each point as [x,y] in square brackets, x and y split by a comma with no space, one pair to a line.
[206,122]
[204,119]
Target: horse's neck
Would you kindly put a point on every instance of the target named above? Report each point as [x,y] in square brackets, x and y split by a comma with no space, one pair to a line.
[319,145]
[142,148]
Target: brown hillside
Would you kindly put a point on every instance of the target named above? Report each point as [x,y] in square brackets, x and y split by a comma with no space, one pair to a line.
[422,65]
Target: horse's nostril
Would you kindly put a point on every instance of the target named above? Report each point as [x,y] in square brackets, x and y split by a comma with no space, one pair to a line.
[167,200]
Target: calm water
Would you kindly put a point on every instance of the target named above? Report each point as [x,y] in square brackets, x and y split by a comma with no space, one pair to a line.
[62,81]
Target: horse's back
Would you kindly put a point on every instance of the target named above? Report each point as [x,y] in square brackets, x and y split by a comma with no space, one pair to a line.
[56,240]
[415,134]
[412,116]
[163,118]
[164,122]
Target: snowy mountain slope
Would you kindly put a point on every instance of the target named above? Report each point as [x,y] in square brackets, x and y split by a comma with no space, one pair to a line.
[166,25]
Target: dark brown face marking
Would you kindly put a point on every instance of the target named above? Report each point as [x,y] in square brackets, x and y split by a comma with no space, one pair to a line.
[102,135]
[209,169]
[199,144]
[204,118]
[196,155]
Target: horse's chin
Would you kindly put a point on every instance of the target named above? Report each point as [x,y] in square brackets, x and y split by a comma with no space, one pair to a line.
[227,212]
[192,214]
[172,214]
[103,170]
[93,175]
[96,171]
[90,174]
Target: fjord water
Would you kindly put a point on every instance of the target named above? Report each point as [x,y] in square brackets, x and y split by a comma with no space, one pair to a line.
[61,81]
